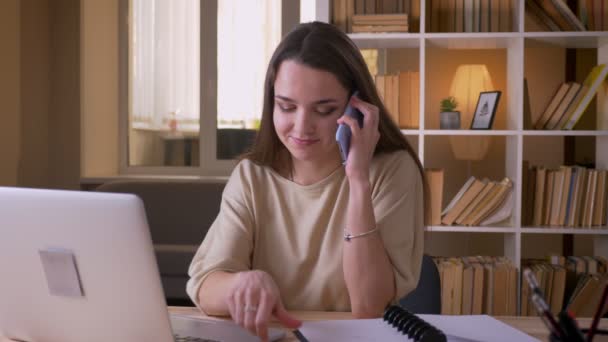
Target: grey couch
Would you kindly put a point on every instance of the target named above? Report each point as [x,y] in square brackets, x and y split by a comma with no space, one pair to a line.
[179,214]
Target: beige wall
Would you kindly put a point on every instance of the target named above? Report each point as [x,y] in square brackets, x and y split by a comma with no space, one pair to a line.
[35,84]
[39,93]
[99,88]
[64,95]
[9,90]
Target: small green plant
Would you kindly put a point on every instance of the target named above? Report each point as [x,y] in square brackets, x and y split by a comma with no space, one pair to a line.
[448,104]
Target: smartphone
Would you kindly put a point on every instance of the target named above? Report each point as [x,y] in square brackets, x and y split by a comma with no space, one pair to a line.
[343,133]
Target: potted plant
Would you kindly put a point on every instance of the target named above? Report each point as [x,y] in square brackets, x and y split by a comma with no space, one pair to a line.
[449,118]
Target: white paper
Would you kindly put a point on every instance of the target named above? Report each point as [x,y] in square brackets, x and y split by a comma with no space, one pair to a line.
[457,328]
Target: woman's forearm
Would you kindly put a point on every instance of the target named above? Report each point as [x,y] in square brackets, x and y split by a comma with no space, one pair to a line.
[367,270]
[213,292]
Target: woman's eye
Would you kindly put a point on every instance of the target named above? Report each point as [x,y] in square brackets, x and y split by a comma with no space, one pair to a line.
[287,108]
[325,111]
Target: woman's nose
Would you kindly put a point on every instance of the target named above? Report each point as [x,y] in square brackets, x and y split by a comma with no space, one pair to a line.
[303,120]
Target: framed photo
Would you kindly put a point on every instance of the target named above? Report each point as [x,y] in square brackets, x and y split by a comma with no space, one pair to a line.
[485,110]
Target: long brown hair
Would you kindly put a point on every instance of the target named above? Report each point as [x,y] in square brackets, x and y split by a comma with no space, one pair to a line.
[322,46]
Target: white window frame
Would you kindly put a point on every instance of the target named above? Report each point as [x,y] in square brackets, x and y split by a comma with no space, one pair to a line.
[209,165]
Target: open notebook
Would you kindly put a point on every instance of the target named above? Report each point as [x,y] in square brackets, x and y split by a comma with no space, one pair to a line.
[456,328]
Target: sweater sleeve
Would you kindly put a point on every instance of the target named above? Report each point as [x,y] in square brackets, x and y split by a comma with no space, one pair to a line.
[397,198]
[228,244]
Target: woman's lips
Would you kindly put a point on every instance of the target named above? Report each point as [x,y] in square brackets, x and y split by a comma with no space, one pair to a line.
[303,142]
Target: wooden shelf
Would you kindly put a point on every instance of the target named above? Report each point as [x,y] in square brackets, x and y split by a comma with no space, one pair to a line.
[469,132]
[565,133]
[477,40]
[574,40]
[576,231]
[510,57]
[461,229]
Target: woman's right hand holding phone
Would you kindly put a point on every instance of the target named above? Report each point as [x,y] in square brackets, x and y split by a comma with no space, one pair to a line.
[253,298]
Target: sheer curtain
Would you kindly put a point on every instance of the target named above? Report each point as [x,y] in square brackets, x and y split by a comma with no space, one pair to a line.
[165,64]
[248,32]
[165,77]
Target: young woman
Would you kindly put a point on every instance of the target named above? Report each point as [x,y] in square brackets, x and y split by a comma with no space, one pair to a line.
[299,230]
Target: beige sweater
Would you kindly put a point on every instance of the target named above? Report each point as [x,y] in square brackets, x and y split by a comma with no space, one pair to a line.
[295,232]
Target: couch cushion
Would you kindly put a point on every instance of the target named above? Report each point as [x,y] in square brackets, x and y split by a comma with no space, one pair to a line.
[179,214]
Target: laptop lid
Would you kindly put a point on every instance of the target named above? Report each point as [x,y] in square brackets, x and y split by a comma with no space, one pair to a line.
[80,266]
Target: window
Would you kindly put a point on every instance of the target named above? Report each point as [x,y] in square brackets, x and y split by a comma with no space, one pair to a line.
[195,79]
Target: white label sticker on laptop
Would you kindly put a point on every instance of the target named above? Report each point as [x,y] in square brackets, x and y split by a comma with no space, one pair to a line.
[61,272]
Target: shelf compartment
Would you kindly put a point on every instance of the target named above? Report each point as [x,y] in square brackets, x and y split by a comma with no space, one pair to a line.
[441,65]
[546,75]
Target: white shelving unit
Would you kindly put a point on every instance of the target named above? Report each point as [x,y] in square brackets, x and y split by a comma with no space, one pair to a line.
[515,51]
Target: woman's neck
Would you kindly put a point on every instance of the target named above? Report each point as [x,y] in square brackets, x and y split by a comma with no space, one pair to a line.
[309,172]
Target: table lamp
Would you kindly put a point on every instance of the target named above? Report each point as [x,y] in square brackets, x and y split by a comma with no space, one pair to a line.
[468,82]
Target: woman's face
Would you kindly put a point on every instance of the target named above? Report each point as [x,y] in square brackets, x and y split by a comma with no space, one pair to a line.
[307,104]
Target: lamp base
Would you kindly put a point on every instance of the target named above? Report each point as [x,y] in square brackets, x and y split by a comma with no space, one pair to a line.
[469,147]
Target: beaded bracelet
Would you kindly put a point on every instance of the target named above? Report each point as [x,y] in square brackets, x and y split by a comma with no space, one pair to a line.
[348,236]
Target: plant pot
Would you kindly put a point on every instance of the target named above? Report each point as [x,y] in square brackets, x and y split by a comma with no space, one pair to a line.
[449,120]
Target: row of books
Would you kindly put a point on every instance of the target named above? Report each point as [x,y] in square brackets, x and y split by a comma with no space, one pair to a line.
[400,93]
[555,15]
[479,202]
[379,23]
[476,285]
[570,101]
[573,283]
[471,15]
[344,12]
[571,196]
[479,15]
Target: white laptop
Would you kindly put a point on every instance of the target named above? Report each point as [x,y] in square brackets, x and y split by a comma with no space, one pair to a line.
[80,266]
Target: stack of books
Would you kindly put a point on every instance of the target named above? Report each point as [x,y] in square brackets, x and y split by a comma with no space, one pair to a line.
[573,282]
[571,100]
[480,202]
[401,96]
[476,285]
[570,196]
[379,23]
[376,15]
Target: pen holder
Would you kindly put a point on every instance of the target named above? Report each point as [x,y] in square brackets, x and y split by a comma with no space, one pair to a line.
[568,329]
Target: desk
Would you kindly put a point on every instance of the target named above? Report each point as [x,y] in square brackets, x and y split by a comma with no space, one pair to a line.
[532,326]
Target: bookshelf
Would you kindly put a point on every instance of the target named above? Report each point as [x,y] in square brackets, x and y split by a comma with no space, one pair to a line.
[525,52]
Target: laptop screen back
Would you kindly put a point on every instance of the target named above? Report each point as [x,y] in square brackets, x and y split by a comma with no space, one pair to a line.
[78,266]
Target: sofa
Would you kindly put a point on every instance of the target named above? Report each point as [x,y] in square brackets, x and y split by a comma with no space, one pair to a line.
[179,214]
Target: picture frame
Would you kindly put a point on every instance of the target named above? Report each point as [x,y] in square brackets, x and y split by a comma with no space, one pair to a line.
[483,118]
